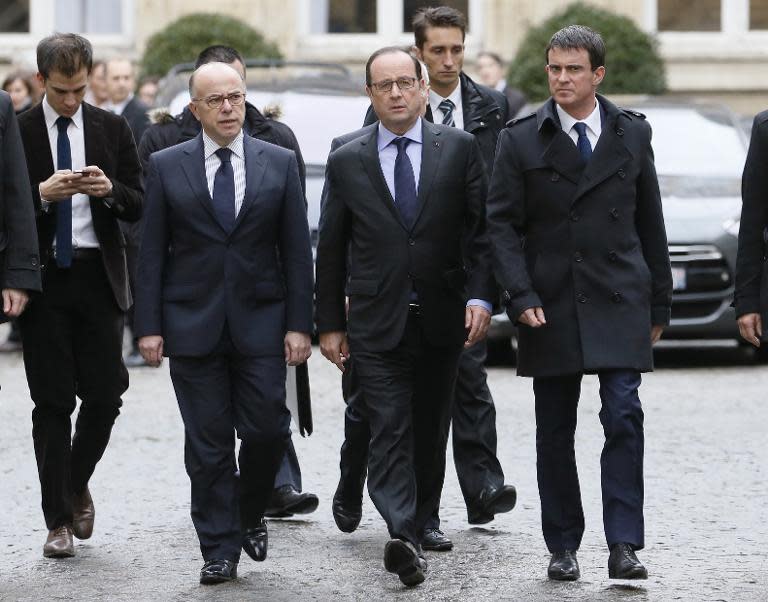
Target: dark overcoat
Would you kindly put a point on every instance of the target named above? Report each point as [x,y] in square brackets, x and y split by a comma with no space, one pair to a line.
[751,295]
[587,244]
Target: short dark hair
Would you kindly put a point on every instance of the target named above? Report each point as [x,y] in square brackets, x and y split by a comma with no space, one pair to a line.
[390,50]
[21,76]
[491,55]
[66,53]
[436,16]
[218,53]
[579,37]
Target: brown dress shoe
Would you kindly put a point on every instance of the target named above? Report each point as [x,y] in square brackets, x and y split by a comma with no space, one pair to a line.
[59,543]
[83,514]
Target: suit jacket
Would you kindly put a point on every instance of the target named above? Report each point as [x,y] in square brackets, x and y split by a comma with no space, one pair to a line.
[136,113]
[595,255]
[19,256]
[366,253]
[109,145]
[194,276]
[751,294]
[485,115]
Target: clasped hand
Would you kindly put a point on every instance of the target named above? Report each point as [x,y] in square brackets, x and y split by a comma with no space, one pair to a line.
[64,183]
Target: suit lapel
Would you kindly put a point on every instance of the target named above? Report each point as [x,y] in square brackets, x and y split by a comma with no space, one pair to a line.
[431,152]
[193,165]
[93,126]
[609,155]
[560,152]
[255,168]
[37,134]
[369,156]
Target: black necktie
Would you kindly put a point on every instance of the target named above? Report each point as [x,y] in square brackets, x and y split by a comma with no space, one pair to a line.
[224,190]
[447,107]
[64,206]
[585,148]
[405,183]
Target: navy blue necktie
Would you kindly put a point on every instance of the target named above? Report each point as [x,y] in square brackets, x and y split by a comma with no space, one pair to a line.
[224,190]
[585,148]
[447,107]
[64,206]
[405,183]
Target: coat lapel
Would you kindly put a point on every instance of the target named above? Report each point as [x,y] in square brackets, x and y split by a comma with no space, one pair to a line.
[609,155]
[369,156]
[431,152]
[193,165]
[93,125]
[255,168]
[560,152]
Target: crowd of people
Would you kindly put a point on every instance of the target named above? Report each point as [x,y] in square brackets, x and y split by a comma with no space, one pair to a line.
[443,208]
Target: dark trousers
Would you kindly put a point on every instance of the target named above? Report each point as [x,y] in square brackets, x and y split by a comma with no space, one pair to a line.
[72,336]
[289,472]
[621,462]
[473,425]
[219,395]
[408,393]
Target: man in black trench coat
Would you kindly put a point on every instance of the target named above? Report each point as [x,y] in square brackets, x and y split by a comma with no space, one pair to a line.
[590,288]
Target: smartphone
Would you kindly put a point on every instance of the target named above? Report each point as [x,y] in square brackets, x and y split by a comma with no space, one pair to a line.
[79,171]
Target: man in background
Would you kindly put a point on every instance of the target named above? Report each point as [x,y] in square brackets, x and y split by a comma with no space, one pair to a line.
[490,68]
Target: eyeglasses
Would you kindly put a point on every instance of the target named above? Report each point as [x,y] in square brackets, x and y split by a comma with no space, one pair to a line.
[215,101]
[403,83]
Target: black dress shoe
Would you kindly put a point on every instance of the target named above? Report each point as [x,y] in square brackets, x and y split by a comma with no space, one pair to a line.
[623,564]
[491,501]
[346,514]
[563,566]
[255,540]
[218,571]
[402,557]
[285,501]
[435,540]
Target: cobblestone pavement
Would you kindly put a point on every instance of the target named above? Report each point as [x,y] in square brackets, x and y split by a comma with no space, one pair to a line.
[706,512]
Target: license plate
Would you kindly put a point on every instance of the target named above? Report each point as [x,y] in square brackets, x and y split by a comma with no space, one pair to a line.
[678,279]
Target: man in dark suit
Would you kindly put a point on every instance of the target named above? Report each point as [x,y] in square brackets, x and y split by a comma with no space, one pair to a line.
[591,288]
[402,235]
[19,255]
[85,176]
[287,496]
[439,42]
[751,294]
[225,291]
[121,82]
[490,70]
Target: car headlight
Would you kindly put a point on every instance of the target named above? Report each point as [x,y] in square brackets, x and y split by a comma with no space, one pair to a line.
[732,226]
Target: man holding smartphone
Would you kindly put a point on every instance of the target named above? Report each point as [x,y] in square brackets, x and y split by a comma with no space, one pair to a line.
[85,176]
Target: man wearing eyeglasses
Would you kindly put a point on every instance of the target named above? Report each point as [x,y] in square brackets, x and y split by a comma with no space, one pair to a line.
[402,234]
[225,291]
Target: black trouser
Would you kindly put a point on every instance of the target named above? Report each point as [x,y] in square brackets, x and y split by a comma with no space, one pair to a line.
[72,335]
[220,394]
[621,463]
[408,393]
[132,259]
[474,432]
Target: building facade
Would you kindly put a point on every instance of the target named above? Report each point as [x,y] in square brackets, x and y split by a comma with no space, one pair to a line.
[715,48]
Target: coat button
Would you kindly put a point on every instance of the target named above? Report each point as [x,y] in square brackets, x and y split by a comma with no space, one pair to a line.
[622,174]
[555,177]
[33,261]
[574,216]
[612,255]
[410,276]
[411,242]
[619,131]
[614,213]
[616,297]
[577,257]
[581,298]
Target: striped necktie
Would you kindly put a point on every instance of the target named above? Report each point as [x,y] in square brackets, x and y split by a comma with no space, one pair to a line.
[447,107]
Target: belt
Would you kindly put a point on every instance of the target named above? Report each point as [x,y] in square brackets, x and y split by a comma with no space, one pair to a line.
[414,309]
[84,253]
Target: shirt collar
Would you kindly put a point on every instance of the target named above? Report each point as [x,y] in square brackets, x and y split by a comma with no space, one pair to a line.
[120,106]
[210,147]
[51,115]
[592,121]
[386,137]
[455,97]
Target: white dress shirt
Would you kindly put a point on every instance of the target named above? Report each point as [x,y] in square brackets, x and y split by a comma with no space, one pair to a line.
[458,112]
[593,122]
[83,234]
[212,164]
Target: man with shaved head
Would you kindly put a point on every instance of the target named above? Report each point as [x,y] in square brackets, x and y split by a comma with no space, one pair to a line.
[213,296]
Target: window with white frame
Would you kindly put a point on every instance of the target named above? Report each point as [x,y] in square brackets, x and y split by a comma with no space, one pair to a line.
[670,17]
[14,16]
[89,16]
[689,15]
